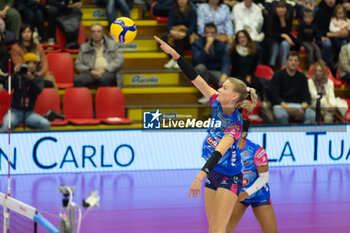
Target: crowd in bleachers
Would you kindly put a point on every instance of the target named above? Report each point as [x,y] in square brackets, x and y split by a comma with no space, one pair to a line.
[226,38]
[260,33]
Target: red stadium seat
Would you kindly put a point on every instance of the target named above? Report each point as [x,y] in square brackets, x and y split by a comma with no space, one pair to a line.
[264,71]
[62,67]
[336,82]
[110,107]
[77,106]
[347,115]
[253,116]
[343,83]
[4,98]
[158,18]
[49,99]
[61,39]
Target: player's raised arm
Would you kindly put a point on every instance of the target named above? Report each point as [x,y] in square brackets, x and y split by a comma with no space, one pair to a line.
[187,68]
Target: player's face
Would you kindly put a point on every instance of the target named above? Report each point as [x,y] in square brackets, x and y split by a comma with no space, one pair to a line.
[96,33]
[27,34]
[226,93]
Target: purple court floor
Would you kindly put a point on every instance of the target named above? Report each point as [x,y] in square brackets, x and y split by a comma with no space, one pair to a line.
[306,199]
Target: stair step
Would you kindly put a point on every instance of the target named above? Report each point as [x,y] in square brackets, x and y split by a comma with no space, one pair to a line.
[144,60]
[140,44]
[160,95]
[144,27]
[93,13]
[135,78]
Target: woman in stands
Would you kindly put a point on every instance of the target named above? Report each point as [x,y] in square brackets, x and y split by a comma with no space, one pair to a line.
[255,190]
[244,60]
[331,106]
[28,44]
[182,23]
[223,167]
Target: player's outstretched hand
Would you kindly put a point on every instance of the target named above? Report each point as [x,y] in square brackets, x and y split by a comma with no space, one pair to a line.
[195,189]
[167,48]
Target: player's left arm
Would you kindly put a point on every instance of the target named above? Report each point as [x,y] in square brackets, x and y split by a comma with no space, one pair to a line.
[261,163]
[225,143]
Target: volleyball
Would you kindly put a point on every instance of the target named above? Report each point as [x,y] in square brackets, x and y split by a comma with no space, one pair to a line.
[123,30]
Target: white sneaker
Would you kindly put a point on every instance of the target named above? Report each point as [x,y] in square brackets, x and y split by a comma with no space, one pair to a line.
[51,41]
[203,100]
[176,66]
[170,64]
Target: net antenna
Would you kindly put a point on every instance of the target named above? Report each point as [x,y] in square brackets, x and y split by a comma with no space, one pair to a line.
[6,212]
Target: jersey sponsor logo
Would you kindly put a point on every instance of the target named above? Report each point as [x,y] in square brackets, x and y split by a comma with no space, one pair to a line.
[261,154]
[211,141]
[245,181]
[246,163]
[246,172]
[207,181]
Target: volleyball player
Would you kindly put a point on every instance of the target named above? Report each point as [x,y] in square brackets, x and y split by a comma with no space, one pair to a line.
[223,166]
[255,191]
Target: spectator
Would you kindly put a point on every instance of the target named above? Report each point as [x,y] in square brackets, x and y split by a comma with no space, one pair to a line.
[244,60]
[99,61]
[214,11]
[27,86]
[339,22]
[210,58]
[182,23]
[278,39]
[11,16]
[57,8]
[319,84]
[123,5]
[32,12]
[322,21]
[25,45]
[4,58]
[9,38]
[247,15]
[306,5]
[290,93]
[310,37]
[344,62]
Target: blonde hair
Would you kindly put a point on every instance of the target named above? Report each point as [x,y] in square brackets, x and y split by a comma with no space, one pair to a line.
[241,88]
[321,64]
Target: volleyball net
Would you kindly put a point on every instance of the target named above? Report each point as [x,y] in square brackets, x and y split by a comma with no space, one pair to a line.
[18,217]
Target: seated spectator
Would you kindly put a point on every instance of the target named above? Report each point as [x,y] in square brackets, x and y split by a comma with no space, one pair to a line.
[9,38]
[27,86]
[231,3]
[210,58]
[11,16]
[99,61]
[244,59]
[4,58]
[278,39]
[339,22]
[310,38]
[322,87]
[290,93]
[182,23]
[306,5]
[25,45]
[56,8]
[123,5]
[344,62]
[214,11]
[322,21]
[32,12]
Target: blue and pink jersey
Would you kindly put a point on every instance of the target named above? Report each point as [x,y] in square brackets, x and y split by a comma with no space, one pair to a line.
[231,124]
[253,156]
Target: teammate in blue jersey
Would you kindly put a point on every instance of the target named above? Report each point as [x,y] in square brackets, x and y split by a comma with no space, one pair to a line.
[223,168]
[255,190]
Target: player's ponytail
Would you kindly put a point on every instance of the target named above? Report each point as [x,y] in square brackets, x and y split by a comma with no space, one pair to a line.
[247,95]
